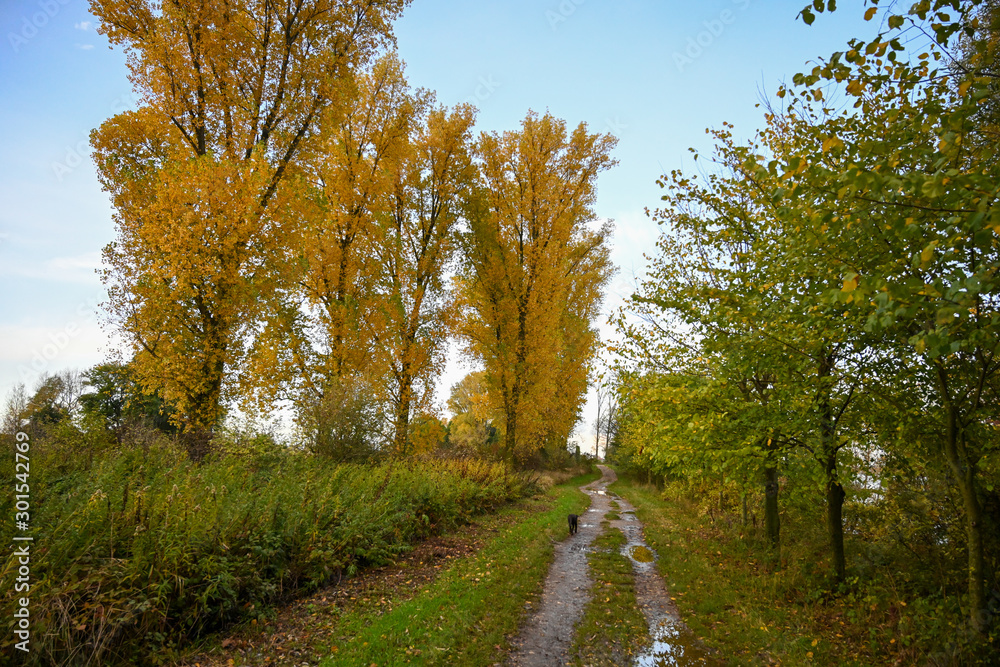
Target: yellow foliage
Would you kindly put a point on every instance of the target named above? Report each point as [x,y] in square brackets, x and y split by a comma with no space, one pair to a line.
[536,269]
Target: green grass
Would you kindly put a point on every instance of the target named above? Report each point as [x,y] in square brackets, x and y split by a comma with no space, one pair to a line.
[612,628]
[727,592]
[471,609]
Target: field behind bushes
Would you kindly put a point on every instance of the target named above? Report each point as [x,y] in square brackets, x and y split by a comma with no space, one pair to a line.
[139,551]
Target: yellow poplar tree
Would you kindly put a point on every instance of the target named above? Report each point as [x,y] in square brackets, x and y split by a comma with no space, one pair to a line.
[231,93]
[535,273]
[318,348]
[409,316]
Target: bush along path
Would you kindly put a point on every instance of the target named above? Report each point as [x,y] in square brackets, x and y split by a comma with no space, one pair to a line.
[574,625]
[453,600]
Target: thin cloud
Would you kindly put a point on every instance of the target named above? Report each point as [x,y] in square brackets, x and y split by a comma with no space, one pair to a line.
[83,25]
[79,269]
[85,47]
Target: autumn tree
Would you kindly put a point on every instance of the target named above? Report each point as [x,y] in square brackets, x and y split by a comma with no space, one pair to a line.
[471,428]
[314,347]
[200,175]
[534,274]
[915,233]
[409,318]
[368,309]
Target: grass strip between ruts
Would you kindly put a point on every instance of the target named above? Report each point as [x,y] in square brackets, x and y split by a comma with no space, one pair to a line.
[465,616]
[613,628]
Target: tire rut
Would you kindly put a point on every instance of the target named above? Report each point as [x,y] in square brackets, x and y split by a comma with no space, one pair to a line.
[548,634]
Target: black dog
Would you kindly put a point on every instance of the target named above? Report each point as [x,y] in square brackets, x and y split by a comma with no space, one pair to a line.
[572,523]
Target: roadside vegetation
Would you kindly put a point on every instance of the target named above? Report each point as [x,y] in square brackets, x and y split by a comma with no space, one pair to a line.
[139,551]
[466,615]
[813,359]
[753,611]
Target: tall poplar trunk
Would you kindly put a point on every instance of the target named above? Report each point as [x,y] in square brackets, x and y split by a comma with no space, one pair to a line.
[401,436]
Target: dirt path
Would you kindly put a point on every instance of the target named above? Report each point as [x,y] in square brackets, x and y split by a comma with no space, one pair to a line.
[548,635]
[673,642]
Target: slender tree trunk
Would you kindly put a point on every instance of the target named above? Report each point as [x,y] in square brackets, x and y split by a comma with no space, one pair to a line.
[974,535]
[834,495]
[963,466]
[401,437]
[835,517]
[771,518]
[510,434]
[828,451]
[722,488]
[965,476]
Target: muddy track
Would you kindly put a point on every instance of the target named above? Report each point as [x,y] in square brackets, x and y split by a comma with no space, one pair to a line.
[547,636]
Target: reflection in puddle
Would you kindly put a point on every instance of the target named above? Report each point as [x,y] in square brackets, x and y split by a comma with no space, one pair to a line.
[673,645]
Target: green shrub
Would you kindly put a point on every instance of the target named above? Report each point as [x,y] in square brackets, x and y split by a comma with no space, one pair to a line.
[139,550]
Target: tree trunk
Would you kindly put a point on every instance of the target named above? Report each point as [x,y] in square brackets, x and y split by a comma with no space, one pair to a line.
[510,434]
[401,437]
[974,535]
[834,497]
[828,451]
[772,520]
[965,476]
[835,518]
[722,488]
[963,465]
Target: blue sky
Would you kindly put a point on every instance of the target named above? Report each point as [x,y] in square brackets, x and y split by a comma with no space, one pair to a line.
[656,73]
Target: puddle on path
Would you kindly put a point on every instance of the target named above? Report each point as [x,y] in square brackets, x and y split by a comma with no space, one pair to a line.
[674,645]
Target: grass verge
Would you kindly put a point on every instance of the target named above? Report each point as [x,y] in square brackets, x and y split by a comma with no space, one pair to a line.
[465,616]
[612,628]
